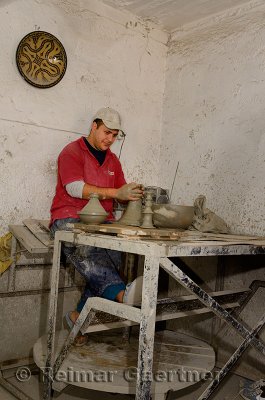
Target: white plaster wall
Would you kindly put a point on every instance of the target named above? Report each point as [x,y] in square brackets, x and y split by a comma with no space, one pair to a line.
[214,120]
[114,59]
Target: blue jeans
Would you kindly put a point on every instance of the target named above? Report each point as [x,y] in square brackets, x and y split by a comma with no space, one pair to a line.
[98,266]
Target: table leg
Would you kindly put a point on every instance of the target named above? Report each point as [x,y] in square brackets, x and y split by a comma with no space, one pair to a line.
[48,372]
[147,328]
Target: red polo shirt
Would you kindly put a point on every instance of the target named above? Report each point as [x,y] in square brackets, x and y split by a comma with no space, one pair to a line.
[76,163]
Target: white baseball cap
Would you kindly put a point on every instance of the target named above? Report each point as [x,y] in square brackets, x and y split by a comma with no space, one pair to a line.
[110,117]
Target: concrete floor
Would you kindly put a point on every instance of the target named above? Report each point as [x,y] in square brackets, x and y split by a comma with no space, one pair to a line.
[229,390]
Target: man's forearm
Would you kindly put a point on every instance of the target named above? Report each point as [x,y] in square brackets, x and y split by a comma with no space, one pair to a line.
[127,192]
[104,193]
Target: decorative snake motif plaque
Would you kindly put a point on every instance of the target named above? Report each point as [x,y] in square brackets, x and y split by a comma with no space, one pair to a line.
[41,59]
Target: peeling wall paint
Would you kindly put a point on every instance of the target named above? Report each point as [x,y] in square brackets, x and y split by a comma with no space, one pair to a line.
[114,59]
[213,118]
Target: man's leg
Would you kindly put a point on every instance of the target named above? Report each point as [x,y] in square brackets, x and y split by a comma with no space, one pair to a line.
[98,266]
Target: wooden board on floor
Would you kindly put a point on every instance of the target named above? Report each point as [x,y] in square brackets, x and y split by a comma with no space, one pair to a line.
[109,353]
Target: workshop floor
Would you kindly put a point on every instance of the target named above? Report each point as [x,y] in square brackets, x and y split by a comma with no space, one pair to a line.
[229,390]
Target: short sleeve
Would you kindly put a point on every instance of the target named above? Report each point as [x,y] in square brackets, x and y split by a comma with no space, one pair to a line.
[70,166]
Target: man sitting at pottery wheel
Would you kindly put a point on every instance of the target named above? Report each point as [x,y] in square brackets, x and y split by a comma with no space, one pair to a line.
[87,166]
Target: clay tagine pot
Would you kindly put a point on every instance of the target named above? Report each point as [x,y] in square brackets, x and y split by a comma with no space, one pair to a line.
[93,212]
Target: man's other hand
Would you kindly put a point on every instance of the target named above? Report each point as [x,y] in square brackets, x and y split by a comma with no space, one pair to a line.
[130,191]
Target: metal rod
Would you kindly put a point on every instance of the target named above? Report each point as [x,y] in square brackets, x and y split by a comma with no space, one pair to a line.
[185,281]
[254,286]
[70,339]
[233,359]
[174,181]
[219,285]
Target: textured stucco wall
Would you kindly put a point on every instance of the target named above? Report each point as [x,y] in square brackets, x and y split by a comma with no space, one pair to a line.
[213,118]
[27,314]
[114,59]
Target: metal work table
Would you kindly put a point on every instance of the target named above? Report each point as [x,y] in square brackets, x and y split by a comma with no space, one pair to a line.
[157,255]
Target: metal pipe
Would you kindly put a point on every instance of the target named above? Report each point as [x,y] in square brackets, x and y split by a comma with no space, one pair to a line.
[204,297]
[233,359]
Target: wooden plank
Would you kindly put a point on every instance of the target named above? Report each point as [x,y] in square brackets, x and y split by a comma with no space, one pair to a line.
[223,235]
[45,223]
[28,240]
[221,239]
[221,243]
[39,231]
[128,231]
[218,239]
[194,237]
[137,237]
[197,238]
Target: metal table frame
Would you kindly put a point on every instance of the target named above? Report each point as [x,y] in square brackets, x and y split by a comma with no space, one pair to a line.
[156,254]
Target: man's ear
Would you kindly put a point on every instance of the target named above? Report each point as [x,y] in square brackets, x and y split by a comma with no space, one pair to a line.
[94,126]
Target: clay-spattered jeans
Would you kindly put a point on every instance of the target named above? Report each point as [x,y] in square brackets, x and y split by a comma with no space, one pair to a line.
[98,266]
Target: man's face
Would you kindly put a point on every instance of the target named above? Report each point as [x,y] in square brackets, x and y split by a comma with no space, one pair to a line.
[102,137]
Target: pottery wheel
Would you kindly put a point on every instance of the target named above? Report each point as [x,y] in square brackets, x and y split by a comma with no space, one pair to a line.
[108,362]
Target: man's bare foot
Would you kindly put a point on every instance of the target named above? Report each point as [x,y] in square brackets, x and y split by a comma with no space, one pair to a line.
[80,340]
[119,296]
[132,295]
[74,315]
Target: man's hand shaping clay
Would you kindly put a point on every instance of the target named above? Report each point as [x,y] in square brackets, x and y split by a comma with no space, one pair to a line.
[130,191]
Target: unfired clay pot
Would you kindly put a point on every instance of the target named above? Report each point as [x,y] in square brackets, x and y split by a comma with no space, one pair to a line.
[93,212]
[133,214]
[172,216]
[147,212]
